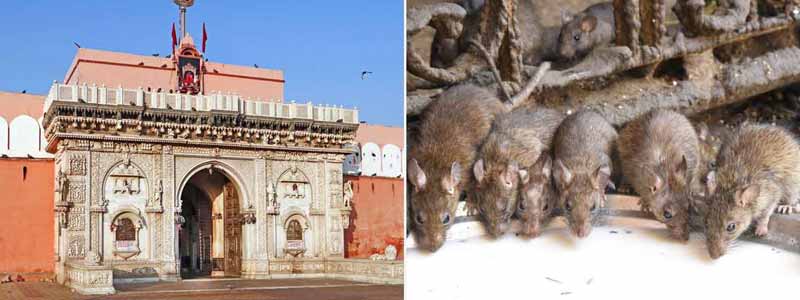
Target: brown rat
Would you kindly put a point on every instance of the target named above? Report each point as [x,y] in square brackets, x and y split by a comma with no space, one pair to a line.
[758,169]
[516,142]
[537,198]
[660,155]
[582,168]
[581,33]
[450,132]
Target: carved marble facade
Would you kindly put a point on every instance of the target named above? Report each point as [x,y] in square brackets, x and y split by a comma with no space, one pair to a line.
[120,178]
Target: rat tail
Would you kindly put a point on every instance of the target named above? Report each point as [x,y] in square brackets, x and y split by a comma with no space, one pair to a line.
[529,87]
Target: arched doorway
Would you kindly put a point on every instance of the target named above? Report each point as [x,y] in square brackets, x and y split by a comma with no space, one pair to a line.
[210,238]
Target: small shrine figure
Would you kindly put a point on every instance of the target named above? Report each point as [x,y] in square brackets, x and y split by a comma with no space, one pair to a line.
[348,194]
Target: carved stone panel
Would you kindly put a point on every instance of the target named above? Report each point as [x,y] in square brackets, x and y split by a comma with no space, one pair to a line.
[76,246]
[77,219]
[77,164]
[77,192]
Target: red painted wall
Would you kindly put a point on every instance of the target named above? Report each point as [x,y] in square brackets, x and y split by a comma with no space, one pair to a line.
[26,216]
[377,217]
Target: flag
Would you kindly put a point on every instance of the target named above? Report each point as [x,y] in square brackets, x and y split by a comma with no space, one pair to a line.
[174,38]
[205,37]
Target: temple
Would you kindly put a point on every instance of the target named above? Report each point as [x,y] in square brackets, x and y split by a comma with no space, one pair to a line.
[144,168]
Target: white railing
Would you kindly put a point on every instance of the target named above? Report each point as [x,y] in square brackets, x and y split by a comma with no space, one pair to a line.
[223,102]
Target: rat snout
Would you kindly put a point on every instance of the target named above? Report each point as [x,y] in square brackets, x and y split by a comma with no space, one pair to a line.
[582,229]
[498,229]
[680,233]
[715,249]
[531,229]
[432,241]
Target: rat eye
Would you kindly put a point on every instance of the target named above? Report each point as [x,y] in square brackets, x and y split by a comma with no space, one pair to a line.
[446,218]
[667,215]
[419,219]
[577,37]
[546,207]
[731,227]
[568,207]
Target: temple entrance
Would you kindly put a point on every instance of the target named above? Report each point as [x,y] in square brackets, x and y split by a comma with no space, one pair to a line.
[211,235]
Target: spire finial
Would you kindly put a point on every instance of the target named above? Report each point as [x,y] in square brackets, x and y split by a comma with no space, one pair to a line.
[183,4]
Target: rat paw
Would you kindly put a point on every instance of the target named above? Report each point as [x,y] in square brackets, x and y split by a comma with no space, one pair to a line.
[762,230]
[788,209]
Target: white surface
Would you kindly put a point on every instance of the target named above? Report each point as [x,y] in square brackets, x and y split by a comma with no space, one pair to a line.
[391,161]
[370,159]
[642,264]
[24,136]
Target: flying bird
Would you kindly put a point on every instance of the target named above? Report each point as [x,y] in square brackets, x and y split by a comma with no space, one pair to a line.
[155,54]
[77,45]
[364,74]
[255,65]
[24,91]
[168,56]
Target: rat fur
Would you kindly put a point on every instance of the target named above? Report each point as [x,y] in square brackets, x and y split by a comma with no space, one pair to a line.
[660,155]
[515,143]
[582,167]
[758,169]
[450,132]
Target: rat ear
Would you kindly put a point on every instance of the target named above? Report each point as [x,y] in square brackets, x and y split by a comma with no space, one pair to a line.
[702,131]
[566,16]
[524,177]
[588,23]
[747,195]
[416,175]
[563,174]
[544,165]
[683,167]
[601,176]
[478,170]
[711,183]
[455,173]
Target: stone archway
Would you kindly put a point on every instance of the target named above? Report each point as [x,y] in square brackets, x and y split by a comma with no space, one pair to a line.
[210,231]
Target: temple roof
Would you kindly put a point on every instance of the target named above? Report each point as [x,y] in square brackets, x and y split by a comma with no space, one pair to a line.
[114,69]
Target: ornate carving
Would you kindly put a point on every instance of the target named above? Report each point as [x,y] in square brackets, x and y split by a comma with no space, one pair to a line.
[77,164]
[76,192]
[76,246]
[273,207]
[77,219]
[155,204]
[126,179]
[92,258]
[61,185]
[348,194]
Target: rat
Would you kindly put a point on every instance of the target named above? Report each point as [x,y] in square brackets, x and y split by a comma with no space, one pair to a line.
[758,171]
[660,154]
[581,33]
[516,142]
[537,197]
[582,148]
[447,140]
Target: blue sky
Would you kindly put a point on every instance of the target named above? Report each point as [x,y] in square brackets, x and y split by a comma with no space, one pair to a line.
[322,46]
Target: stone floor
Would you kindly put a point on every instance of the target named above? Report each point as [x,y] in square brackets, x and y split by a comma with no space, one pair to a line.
[215,289]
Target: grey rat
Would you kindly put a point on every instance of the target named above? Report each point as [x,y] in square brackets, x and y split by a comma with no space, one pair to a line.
[447,140]
[758,171]
[582,167]
[516,142]
[660,154]
[537,197]
[581,33]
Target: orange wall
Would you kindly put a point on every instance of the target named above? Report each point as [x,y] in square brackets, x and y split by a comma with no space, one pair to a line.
[26,216]
[377,217]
